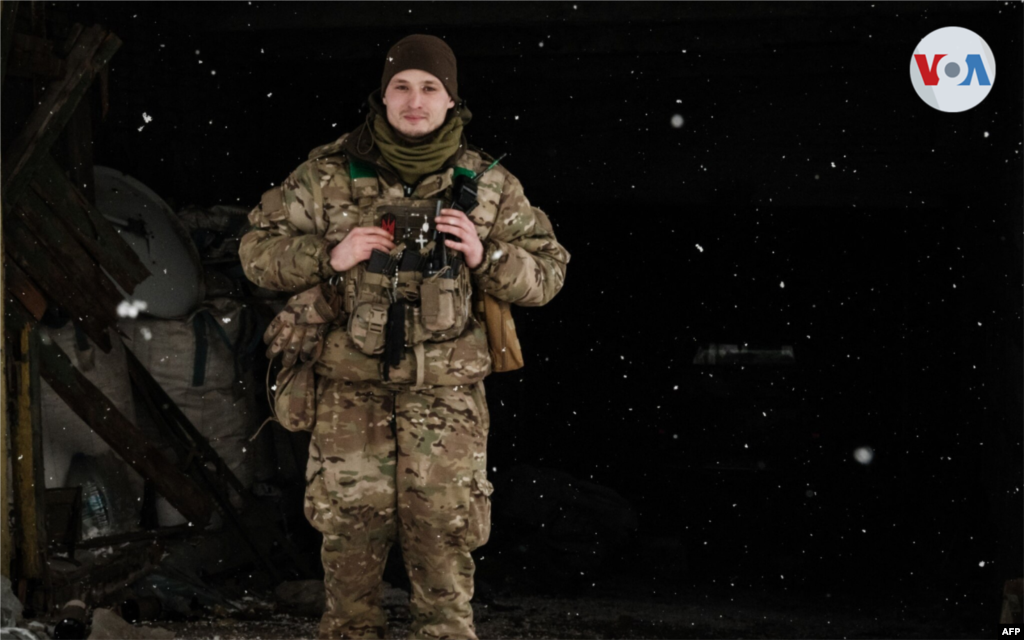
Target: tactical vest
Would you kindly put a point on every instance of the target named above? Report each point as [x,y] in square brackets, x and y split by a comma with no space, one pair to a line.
[327,198]
[399,301]
[441,341]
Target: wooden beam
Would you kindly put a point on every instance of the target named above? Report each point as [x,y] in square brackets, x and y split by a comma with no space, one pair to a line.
[124,438]
[21,287]
[94,48]
[27,465]
[62,241]
[5,418]
[94,232]
[79,140]
[52,276]
[82,269]
[63,246]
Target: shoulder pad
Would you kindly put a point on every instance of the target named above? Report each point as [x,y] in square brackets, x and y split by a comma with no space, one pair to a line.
[488,158]
[329,149]
[474,160]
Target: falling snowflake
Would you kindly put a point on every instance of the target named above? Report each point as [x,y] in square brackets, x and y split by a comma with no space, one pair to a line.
[864,455]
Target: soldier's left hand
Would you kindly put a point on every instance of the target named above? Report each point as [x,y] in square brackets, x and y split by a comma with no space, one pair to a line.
[298,331]
[456,223]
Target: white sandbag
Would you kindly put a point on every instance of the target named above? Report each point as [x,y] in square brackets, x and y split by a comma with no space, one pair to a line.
[67,438]
[203,382]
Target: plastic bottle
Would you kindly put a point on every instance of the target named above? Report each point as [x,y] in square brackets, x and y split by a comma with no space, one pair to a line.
[95,518]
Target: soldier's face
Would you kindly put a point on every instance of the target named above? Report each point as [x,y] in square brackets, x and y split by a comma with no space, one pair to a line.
[417,102]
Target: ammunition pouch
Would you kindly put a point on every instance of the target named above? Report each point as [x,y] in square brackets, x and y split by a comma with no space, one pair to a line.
[295,399]
[424,303]
[369,314]
[445,304]
[463,360]
[437,308]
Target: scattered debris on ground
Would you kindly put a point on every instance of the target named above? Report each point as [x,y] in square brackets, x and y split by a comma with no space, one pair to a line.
[684,615]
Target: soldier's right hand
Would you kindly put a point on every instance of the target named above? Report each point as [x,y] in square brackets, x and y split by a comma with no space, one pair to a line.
[358,245]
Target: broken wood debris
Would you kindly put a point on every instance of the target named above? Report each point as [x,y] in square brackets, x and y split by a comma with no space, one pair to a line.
[93,49]
[53,234]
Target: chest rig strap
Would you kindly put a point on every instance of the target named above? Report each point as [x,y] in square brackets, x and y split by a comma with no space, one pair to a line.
[364,182]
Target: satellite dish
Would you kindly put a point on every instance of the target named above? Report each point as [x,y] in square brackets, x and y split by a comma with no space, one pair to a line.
[153,231]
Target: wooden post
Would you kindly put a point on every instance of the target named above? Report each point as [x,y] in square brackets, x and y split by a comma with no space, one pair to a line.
[5,546]
[27,464]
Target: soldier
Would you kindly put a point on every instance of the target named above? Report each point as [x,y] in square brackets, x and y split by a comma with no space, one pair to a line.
[382,317]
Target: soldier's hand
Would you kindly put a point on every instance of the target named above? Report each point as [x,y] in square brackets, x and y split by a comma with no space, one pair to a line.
[358,245]
[297,332]
[282,337]
[458,224]
[298,343]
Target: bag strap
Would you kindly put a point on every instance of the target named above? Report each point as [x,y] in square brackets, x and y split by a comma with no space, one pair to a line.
[200,321]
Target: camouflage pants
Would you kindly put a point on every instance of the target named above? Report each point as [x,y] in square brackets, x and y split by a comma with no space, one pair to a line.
[405,465]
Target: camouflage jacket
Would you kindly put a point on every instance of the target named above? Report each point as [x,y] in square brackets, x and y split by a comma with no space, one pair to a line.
[297,223]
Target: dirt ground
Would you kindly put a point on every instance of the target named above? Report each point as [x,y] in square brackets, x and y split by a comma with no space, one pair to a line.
[680,615]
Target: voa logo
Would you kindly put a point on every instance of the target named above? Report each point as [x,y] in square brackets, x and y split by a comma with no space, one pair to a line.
[952,69]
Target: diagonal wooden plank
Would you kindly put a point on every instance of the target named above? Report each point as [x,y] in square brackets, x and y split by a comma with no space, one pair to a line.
[94,232]
[20,285]
[83,271]
[22,246]
[94,48]
[80,266]
[124,438]
[201,460]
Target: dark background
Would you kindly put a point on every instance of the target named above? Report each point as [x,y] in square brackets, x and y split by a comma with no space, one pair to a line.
[836,213]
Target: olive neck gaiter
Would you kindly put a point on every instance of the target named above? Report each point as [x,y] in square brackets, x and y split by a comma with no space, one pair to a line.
[415,158]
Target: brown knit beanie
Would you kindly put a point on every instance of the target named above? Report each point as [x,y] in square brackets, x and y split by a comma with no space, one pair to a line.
[427,53]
